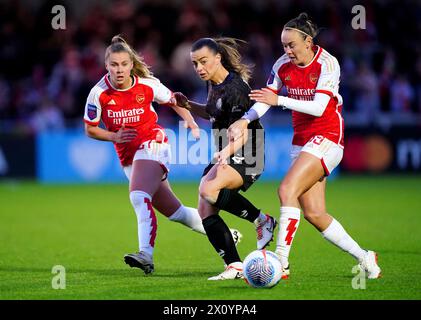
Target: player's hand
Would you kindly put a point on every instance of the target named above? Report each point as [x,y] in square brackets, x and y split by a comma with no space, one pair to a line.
[265,96]
[195,130]
[181,100]
[236,130]
[124,135]
[221,158]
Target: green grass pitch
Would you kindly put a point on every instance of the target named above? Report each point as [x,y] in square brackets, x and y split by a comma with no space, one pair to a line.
[88,228]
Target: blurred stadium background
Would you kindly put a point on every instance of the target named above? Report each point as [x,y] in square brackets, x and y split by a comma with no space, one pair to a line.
[46,75]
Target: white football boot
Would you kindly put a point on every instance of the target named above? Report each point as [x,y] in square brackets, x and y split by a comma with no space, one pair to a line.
[232,271]
[265,231]
[285,269]
[140,260]
[369,265]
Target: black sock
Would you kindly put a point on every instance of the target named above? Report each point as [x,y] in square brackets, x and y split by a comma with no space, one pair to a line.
[235,203]
[221,238]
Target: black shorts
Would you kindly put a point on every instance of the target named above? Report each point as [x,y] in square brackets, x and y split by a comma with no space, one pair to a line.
[249,173]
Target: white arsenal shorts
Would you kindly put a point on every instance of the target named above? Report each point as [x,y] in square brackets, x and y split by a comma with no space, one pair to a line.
[329,153]
[152,150]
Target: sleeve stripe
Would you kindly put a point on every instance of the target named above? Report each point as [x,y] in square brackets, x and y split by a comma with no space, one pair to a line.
[273,90]
[329,93]
[329,60]
[91,123]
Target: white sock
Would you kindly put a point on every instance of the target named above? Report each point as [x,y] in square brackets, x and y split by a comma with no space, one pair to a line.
[146,220]
[288,225]
[189,217]
[337,235]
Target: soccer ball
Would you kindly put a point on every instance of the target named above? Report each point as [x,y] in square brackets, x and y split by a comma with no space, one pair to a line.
[262,269]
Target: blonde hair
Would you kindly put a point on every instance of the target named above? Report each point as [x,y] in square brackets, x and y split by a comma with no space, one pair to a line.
[228,48]
[119,44]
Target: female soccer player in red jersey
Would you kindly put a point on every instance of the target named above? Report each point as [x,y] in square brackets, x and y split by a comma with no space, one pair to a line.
[311,77]
[122,99]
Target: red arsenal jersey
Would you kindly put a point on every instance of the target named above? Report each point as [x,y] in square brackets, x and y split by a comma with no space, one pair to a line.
[302,82]
[131,107]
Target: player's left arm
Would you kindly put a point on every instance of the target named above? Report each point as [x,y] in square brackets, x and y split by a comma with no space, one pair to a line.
[315,107]
[165,96]
[327,88]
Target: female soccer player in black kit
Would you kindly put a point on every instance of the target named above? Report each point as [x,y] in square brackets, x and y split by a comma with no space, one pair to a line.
[236,165]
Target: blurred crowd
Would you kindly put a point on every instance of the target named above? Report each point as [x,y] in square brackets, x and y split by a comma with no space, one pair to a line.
[46,74]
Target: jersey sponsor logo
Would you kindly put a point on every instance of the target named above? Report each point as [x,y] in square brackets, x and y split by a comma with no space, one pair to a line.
[313,77]
[140,98]
[288,78]
[301,91]
[301,94]
[92,111]
[125,113]
[111,102]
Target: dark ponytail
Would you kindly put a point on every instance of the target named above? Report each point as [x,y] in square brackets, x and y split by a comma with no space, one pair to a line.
[304,25]
[228,48]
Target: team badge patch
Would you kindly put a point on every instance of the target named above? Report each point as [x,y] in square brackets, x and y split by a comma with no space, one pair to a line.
[313,77]
[140,98]
[92,111]
[271,77]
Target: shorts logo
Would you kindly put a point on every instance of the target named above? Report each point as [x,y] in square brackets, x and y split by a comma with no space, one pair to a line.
[92,111]
[313,77]
[238,160]
[140,98]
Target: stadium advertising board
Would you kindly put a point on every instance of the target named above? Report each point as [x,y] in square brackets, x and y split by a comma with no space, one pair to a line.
[71,157]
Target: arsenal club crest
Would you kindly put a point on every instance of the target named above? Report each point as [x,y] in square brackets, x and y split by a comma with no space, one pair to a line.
[313,77]
[140,98]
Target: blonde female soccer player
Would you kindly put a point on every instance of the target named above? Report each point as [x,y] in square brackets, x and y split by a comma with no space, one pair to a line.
[122,100]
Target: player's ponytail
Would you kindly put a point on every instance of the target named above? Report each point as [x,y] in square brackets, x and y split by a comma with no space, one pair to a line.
[231,57]
[119,44]
[304,25]
[228,48]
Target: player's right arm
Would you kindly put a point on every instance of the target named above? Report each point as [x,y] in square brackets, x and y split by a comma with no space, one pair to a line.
[92,119]
[197,108]
[121,136]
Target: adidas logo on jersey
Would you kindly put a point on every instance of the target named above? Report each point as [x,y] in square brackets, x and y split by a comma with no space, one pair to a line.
[112,102]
